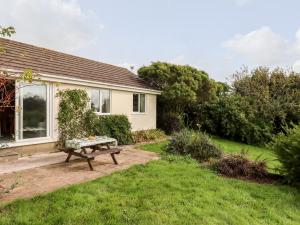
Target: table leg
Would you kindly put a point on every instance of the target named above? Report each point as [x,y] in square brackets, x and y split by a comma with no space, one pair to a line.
[84,150]
[90,165]
[69,156]
[113,157]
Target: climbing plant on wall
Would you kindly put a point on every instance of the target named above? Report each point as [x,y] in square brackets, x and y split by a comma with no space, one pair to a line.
[72,110]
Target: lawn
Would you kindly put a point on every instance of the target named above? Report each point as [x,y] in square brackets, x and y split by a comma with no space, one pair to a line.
[173,190]
[228,146]
[254,152]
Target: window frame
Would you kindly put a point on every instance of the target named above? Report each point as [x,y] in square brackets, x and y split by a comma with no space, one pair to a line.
[19,113]
[139,103]
[99,90]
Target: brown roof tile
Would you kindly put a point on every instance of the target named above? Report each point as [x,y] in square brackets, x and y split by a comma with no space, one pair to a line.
[22,56]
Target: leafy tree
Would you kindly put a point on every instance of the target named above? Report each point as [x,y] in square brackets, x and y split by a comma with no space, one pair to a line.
[274,95]
[7,89]
[7,31]
[180,85]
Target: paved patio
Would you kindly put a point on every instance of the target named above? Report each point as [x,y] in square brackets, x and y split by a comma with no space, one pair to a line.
[41,174]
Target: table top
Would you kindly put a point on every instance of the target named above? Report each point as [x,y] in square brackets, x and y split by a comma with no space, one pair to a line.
[85,142]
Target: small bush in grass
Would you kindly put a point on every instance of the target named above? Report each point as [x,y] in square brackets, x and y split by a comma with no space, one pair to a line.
[287,148]
[238,165]
[196,144]
[148,135]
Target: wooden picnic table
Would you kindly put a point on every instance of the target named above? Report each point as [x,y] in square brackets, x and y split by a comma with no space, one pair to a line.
[78,147]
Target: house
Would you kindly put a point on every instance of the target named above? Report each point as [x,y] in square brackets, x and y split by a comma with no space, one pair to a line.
[112,90]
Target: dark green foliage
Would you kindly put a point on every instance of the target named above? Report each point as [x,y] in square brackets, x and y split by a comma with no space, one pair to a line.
[231,117]
[116,126]
[148,135]
[238,165]
[252,109]
[287,148]
[170,122]
[274,96]
[195,144]
[181,86]
[71,115]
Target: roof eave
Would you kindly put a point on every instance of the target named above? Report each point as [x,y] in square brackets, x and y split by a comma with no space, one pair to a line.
[86,82]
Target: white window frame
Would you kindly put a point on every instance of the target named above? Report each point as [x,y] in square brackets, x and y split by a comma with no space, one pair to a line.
[139,103]
[19,114]
[100,100]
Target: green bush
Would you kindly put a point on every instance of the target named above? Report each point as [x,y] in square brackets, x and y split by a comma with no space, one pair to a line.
[148,135]
[287,148]
[170,122]
[196,144]
[116,126]
[231,117]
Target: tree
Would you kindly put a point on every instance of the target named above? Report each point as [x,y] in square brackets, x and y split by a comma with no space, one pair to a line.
[274,95]
[7,92]
[7,89]
[180,85]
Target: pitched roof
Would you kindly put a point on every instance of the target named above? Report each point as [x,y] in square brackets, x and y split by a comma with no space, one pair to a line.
[20,56]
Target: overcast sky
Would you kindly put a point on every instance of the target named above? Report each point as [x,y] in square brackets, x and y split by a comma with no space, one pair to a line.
[218,36]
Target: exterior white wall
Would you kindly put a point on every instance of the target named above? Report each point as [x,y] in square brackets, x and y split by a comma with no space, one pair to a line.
[121,103]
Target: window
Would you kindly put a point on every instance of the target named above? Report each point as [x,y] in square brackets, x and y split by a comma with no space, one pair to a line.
[100,101]
[33,113]
[139,103]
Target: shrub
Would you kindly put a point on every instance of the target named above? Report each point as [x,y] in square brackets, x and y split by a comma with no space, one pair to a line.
[148,135]
[116,126]
[287,148]
[170,122]
[195,144]
[231,117]
[238,165]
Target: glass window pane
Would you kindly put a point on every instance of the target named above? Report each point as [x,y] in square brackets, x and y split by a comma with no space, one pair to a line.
[34,111]
[105,101]
[95,101]
[135,102]
[142,103]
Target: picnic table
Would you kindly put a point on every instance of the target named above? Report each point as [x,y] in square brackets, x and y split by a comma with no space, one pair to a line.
[78,147]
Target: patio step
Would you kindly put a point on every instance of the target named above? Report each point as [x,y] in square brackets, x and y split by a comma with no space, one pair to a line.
[8,156]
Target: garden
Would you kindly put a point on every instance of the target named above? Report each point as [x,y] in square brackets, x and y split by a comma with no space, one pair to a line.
[173,190]
[219,163]
[229,154]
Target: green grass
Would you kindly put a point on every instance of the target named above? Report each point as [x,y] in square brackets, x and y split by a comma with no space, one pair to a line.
[228,146]
[173,190]
[254,152]
[154,147]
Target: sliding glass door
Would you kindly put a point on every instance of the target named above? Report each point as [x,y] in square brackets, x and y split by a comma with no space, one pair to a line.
[34,111]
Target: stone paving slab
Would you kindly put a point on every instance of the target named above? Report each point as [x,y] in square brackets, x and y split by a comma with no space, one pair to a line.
[40,180]
[30,162]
